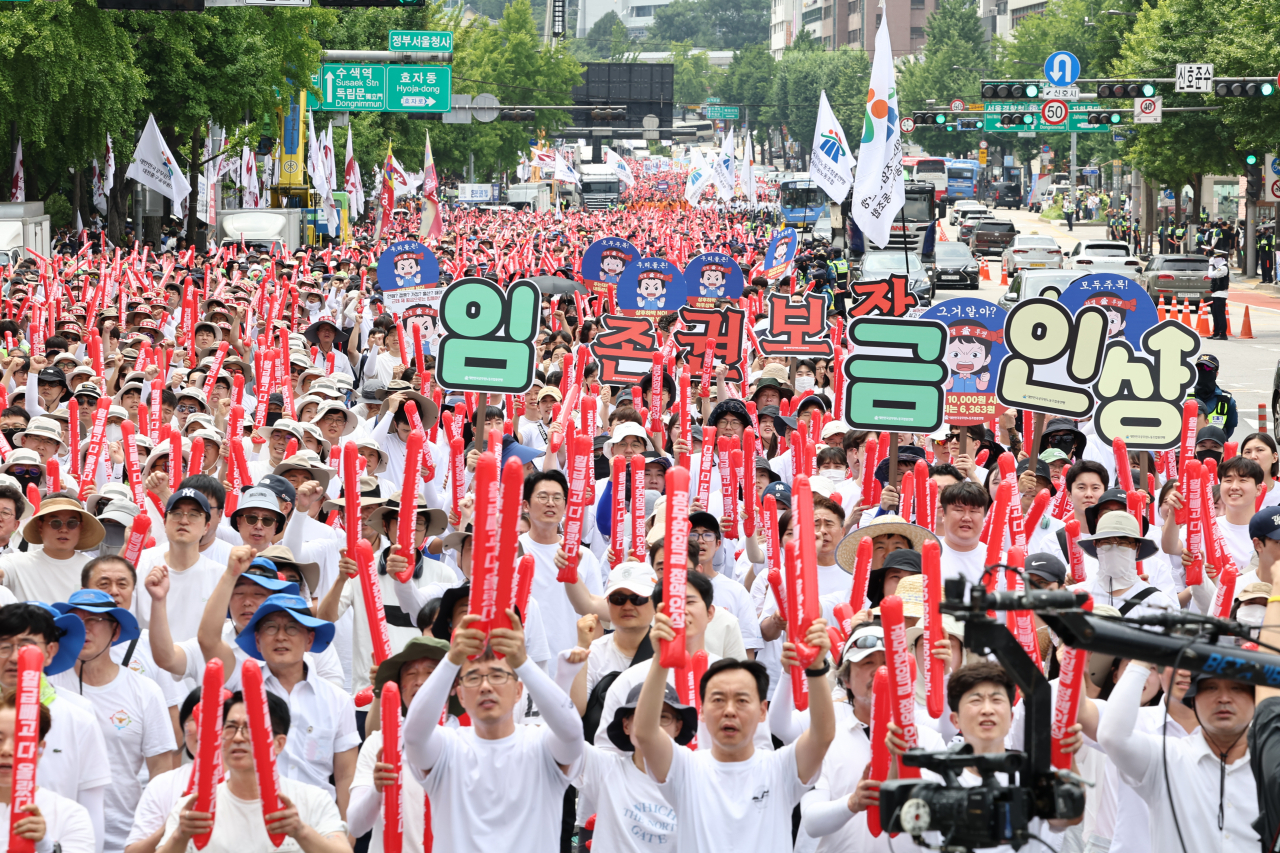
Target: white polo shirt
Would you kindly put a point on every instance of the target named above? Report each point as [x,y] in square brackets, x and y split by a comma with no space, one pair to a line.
[322,724]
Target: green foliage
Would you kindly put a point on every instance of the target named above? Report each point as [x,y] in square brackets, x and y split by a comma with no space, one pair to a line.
[620,43]
[800,77]
[713,24]
[681,22]
[59,210]
[599,39]
[804,42]
[749,80]
[693,74]
[955,37]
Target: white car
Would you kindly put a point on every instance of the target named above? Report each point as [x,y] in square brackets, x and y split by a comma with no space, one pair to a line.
[1032,251]
[961,209]
[1103,256]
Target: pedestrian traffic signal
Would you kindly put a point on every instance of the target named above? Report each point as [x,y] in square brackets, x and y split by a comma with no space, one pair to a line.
[1104,118]
[1009,91]
[1014,119]
[1126,90]
[517,115]
[1245,90]
[617,114]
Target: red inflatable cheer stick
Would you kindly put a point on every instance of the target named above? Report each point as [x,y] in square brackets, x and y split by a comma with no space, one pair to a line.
[1036,512]
[1124,471]
[639,547]
[264,759]
[799,684]
[930,560]
[351,495]
[392,794]
[371,592]
[1187,454]
[897,659]
[95,446]
[675,572]
[407,520]
[138,530]
[575,514]
[484,559]
[703,493]
[618,508]
[508,534]
[53,475]
[1076,556]
[1021,623]
[208,763]
[1066,703]
[803,574]
[881,712]
[995,537]
[457,472]
[73,410]
[1192,488]
[26,738]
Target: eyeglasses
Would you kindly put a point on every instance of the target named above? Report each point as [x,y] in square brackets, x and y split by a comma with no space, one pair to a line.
[704,536]
[90,621]
[230,730]
[7,649]
[185,515]
[25,471]
[496,677]
[618,599]
[59,523]
[186,408]
[334,418]
[255,520]
[549,499]
[271,629]
[6,514]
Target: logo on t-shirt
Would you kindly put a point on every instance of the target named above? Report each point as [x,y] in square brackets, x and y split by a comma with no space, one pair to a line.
[121,720]
[760,798]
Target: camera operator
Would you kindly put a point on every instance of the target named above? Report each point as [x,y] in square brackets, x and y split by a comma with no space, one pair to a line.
[1264,736]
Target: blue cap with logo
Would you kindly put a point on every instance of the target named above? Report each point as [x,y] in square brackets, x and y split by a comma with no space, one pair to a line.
[1265,523]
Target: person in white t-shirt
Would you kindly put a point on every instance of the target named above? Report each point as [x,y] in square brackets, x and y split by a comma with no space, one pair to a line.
[734,797]
[631,813]
[74,763]
[964,508]
[308,819]
[192,576]
[51,573]
[730,594]
[494,785]
[1261,448]
[52,821]
[409,669]
[630,599]
[1118,545]
[130,708]
[166,790]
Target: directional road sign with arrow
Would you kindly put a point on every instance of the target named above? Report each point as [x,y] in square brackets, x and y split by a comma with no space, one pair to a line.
[1062,68]
[354,87]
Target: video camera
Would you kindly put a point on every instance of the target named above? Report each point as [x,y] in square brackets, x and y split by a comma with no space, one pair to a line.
[992,813]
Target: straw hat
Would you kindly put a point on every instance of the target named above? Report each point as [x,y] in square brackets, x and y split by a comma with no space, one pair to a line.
[847,550]
[91,530]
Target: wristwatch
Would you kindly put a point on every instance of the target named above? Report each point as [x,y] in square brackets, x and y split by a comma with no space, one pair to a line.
[816,673]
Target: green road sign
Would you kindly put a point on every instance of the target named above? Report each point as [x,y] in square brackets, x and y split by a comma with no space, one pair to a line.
[713,100]
[439,42]
[726,113]
[1077,119]
[354,87]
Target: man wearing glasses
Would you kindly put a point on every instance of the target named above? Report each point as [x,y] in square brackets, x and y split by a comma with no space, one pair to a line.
[192,576]
[51,573]
[308,817]
[730,594]
[12,507]
[130,708]
[545,500]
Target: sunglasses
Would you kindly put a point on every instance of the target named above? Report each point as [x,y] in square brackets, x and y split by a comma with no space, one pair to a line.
[619,599]
[867,641]
[254,520]
[23,471]
[58,523]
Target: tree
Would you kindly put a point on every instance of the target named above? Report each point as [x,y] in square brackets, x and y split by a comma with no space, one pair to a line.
[681,22]
[693,74]
[804,42]
[597,44]
[620,43]
[738,23]
[749,80]
[955,38]
[799,79]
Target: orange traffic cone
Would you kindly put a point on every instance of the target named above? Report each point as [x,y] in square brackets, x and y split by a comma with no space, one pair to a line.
[1185,317]
[1160,314]
[1004,277]
[1227,309]
[984,270]
[1246,328]
[1202,320]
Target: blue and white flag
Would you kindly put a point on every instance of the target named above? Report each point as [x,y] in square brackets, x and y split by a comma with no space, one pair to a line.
[722,168]
[699,177]
[619,165]
[878,191]
[831,164]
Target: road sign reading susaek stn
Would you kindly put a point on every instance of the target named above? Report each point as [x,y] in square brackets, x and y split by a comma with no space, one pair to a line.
[353,87]
[441,42]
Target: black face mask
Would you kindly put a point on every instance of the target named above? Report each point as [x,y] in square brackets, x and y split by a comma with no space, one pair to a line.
[9,434]
[25,480]
[602,469]
[272,417]
[1205,455]
[1206,381]
[1061,441]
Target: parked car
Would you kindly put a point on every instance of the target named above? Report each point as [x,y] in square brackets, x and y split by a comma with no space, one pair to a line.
[1028,284]
[1032,251]
[1178,276]
[1103,256]
[953,266]
[880,264]
[992,236]
[967,225]
[1006,194]
[963,207]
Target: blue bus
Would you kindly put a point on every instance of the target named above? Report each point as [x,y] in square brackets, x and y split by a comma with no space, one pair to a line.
[962,179]
[802,202]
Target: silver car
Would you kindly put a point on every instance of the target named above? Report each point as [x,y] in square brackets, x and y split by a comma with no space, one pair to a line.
[961,208]
[1032,251]
[879,265]
[1103,256]
[1176,277]
[1028,284]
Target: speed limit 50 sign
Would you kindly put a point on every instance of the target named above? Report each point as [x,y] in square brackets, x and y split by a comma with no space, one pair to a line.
[1054,112]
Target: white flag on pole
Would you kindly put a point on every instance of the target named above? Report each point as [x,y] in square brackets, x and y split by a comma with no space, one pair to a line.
[722,168]
[619,165]
[831,163]
[248,178]
[565,172]
[99,191]
[153,166]
[699,177]
[747,177]
[110,178]
[352,184]
[878,191]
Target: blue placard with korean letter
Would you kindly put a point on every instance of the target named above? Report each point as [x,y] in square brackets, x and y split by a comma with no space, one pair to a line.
[975,348]
[711,276]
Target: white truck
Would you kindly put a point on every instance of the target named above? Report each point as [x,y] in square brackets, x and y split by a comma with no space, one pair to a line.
[23,225]
[601,188]
[262,228]
[534,196]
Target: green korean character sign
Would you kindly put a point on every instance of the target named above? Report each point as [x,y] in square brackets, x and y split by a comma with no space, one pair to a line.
[896,374]
[488,336]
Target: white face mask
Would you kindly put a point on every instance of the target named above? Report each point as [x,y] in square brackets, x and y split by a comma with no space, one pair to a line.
[804,383]
[114,433]
[1118,565]
[835,475]
[1251,614]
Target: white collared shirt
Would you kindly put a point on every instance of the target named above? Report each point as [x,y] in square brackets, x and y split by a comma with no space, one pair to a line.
[322,724]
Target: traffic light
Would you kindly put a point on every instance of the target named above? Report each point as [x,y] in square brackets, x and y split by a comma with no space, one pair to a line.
[1103,118]
[1126,90]
[1245,90]
[1009,91]
[517,115]
[1253,175]
[1014,119]
[617,114]
[968,124]
[930,119]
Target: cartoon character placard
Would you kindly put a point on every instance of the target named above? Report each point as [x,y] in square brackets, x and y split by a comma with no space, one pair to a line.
[781,252]
[605,260]
[711,276]
[1129,309]
[409,278]
[651,287]
[975,348]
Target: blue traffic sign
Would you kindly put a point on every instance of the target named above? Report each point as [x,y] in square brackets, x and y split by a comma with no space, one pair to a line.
[1275,165]
[1089,170]
[1062,68]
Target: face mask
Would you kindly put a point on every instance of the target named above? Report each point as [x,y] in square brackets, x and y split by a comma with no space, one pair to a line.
[1215,455]
[804,383]
[1251,614]
[272,417]
[114,433]
[1205,381]
[25,480]
[9,435]
[835,475]
[1118,565]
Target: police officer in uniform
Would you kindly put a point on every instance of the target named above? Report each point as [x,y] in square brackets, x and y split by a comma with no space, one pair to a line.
[1220,404]
[839,268]
[1266,246]
[1179,238]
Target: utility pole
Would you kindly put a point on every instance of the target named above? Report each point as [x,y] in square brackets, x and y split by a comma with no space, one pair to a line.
[1072,176]
[1250,235]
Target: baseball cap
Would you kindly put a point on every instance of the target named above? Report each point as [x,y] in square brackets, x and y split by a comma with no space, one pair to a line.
[637,577]
[189,494]
[1265,524]
[781,494]
[1046,566]
[282,487]
[1208,361]
[1042,470]
[705,519]
[1052,455]
[1212,433]
[867,639]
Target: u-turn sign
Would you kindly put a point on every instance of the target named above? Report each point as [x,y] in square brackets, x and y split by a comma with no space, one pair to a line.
[1062,68]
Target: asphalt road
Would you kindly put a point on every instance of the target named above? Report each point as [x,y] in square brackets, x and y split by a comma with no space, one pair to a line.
[1248,366]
